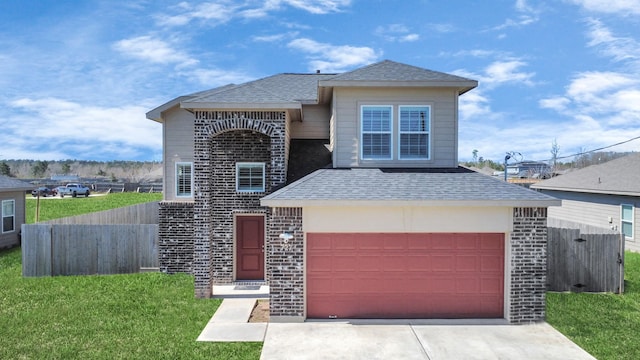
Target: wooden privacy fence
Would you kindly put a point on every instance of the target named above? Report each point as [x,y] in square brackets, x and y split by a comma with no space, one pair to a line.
[52,249]
[146,213]
[583,258]
[116,241]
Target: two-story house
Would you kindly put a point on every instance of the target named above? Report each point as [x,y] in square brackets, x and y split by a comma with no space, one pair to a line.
[344,194]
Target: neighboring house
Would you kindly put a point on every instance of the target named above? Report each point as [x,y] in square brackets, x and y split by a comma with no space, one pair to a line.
[605,195]
[529,169]
[384,224]
[12,210]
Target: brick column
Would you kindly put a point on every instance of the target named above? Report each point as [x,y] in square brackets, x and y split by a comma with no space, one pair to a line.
[528,265]
[286,266]
[175,248]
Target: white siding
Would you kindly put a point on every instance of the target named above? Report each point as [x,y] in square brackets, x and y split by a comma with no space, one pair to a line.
[178,135]
[443,127]
[595,210]
[11,238]
[314,124]
[407,219]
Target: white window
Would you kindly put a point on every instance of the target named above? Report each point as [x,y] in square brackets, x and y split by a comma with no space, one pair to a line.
[8,215]
[626,220]
[184,179]
[414,132]
[376,125]
[250,177]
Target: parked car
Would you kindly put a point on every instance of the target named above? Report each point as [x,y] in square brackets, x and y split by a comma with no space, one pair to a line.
[73,190]
[56,190]
[41,191]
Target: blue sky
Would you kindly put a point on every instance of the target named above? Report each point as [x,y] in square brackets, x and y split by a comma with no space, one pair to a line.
[77,77]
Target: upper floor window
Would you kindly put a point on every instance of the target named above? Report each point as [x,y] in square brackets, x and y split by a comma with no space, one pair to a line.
[376,122]
[250,177]
[414,132]
[8,215]
[626,220]
[379,129]
[184,179]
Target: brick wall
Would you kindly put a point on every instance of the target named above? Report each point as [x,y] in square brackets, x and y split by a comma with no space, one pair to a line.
[286,265]
[175,247]
[214,209]
[528,265]
[228,149]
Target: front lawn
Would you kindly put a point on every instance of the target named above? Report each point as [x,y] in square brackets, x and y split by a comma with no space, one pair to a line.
[136,316]
[54,208]
[605,325]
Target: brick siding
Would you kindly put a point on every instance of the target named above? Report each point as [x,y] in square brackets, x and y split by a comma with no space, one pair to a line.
[528,265]
[286,265]
[175,230]
[221,139]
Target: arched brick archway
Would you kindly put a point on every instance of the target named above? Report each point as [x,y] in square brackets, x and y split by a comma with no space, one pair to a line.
[217,131]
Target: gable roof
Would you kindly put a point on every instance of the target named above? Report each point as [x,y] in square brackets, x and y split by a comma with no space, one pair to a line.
[11,184]
[391,73]
[277,91]
[403,187]
[617,177]
[291,91]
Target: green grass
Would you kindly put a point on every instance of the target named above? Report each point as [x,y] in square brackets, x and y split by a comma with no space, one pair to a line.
[136,316]
[68,206]
[605,325]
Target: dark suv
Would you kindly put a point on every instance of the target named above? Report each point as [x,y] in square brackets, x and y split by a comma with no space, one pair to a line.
[42,191]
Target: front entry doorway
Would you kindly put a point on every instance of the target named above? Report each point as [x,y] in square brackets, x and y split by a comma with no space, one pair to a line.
[250,247]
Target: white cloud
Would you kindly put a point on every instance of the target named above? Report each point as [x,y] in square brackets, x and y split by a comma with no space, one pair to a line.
[154,50]
[622,49]
[620,7]
[527,15]
[314,6]
[333,58]
[219,12]
[217,77]
[558,104]
[396,32]
[102,133]
[213,13]
[501,72]
[473,105]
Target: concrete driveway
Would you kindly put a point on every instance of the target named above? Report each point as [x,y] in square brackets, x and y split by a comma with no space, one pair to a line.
[394,340]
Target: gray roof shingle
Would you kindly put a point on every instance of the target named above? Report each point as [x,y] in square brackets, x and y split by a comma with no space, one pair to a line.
[273,89]
[620,177]
[292,88]
[412,185]
[11,184]
[388,70]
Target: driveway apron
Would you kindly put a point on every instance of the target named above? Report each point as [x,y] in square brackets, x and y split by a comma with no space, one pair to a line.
[365,340]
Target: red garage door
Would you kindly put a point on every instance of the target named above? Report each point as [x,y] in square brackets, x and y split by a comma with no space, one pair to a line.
[405,275]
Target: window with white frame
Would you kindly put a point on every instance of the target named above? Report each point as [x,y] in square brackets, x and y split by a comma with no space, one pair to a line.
[376,128]
[626,220]
[8,215]
[414,132]
[250,177]
[184,179]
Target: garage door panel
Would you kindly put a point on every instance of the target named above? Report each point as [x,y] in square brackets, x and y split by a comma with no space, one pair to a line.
[405,275]
[442,263]
[467,263]
[492,263]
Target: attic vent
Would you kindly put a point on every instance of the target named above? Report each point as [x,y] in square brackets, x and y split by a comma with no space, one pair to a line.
[317,71]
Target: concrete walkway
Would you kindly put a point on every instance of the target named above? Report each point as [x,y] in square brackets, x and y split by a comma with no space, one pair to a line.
[230,321]
[388,339]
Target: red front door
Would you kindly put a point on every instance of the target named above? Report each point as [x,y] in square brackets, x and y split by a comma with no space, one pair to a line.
[250,247]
